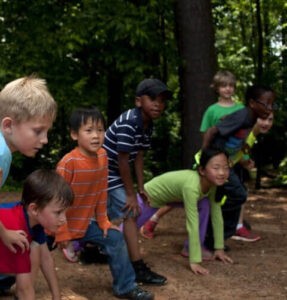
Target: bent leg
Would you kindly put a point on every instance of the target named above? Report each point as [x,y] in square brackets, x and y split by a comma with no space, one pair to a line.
[236,196]
[115,248]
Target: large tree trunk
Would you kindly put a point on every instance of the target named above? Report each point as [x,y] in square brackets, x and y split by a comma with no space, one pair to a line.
[195,37]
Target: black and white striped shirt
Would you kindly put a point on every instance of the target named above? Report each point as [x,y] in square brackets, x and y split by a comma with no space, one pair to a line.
[126,134]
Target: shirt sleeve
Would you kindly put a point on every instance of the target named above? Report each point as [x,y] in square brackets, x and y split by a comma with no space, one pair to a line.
[125,137]
[232,122]
[205,124]
[101,207]
[38,234]
[190,198]
[63,168]
[216,220]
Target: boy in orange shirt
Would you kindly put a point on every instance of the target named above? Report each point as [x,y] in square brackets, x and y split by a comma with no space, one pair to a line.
[85,168]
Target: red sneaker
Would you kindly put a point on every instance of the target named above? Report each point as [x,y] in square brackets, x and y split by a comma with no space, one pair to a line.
[147,230]
[245,235]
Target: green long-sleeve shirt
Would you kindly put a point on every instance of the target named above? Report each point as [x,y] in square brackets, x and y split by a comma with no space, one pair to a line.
[184,186]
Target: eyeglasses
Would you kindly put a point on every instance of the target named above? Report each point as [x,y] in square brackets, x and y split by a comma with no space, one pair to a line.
[272,106]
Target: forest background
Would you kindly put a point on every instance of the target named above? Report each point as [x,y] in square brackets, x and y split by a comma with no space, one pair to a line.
[95,52]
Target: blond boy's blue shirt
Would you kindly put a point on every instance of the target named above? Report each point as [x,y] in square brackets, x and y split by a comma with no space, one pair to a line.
[5,160]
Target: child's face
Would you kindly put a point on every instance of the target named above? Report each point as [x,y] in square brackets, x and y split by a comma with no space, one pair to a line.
[90,137]
[51,217]
[226,91]
[263,106]
[151,108]
[264,125]
[216,170]
[27,137]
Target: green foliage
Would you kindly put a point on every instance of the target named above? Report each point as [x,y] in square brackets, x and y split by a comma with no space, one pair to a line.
[78,44]
[282,177]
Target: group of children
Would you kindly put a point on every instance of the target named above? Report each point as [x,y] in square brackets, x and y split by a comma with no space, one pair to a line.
[96,190]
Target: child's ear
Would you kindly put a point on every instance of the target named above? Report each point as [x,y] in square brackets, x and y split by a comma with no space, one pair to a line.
[138,102]
[252,103]
[33,209]
[6,125]
[201,171]
[74,135]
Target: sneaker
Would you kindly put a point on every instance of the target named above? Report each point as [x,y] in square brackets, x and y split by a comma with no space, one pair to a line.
[147,230]
[70,254]
[243,234]
[146,276]
[137,294]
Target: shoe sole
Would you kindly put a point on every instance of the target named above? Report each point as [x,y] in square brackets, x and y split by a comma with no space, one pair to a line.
[71,259]
[243,239]
[151,284]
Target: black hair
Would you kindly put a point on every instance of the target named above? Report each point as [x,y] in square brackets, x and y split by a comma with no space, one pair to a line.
[209,153]
[80,116]
[42,186]
[255,91]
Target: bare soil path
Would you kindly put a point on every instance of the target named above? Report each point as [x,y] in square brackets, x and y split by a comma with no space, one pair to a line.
[259,271]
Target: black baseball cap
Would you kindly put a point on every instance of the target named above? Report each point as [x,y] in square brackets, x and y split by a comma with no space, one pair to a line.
[153,87]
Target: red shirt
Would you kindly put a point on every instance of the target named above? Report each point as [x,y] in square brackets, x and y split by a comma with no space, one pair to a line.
[14,217]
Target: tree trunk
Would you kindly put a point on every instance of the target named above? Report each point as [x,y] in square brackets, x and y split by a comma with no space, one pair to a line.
[195,36]
[260,42]
[115,93]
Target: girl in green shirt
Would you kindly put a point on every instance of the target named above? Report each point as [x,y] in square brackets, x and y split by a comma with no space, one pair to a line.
[188,187]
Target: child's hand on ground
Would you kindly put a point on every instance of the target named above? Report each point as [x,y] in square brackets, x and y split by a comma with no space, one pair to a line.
[220,255]
[12,238]
[198,269]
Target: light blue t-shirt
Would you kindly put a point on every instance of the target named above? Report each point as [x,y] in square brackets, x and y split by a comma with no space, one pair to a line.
[5,160]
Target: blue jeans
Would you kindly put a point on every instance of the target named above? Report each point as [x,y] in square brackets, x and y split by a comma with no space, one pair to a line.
[116,202]
[114,246]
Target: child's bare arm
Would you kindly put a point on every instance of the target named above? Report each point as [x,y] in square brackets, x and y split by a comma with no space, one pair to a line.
[209,136]
[139,167]
[11,238]
[125,172]
[48,270]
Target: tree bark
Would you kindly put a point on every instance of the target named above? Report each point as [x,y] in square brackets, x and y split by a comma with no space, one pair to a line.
[195,36]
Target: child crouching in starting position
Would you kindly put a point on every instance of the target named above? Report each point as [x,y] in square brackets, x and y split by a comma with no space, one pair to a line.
[45,198]
[85,169]
[189,186]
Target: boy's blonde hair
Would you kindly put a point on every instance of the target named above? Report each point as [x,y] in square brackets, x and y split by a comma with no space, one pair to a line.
[26,98]
[223,77]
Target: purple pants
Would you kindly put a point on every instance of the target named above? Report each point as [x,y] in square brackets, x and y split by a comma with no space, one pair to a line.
[203,211]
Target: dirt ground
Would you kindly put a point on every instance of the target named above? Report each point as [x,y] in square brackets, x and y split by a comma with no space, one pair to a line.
[259,270]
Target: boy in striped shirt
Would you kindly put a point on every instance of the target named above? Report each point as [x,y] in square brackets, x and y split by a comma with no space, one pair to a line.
[125,142]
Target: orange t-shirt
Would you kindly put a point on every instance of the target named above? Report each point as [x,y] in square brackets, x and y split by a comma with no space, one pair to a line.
[88,178]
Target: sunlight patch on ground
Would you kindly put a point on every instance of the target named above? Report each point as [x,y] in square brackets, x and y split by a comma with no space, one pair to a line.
[269,228]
